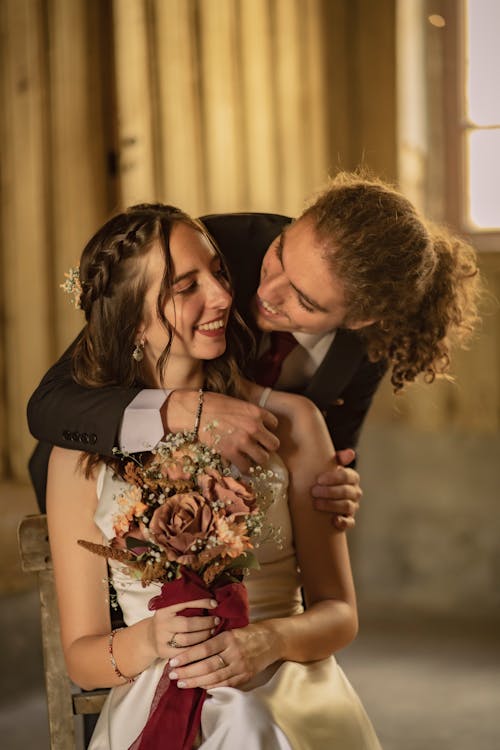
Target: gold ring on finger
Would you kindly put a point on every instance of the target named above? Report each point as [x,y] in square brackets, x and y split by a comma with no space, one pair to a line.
[173,643]
[222,662]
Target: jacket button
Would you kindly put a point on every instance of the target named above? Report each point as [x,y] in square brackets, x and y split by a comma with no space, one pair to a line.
[338,402]
[67,435]
[75,436]
[93,439]
[84,437]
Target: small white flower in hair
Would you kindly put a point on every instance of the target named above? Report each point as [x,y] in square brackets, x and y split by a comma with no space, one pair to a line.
[72,285]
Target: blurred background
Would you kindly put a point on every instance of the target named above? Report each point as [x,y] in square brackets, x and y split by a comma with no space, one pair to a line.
[249,105]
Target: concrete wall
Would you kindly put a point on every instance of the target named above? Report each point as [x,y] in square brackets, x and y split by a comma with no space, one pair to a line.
[427,537]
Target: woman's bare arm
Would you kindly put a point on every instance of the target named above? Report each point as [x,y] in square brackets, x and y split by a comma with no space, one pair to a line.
[82,589]
[330,621]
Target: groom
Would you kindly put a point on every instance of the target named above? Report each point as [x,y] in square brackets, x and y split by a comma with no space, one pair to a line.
[359,269]
[268,257]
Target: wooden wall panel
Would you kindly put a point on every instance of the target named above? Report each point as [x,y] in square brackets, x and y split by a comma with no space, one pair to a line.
[79,196]
[180,156]
[292,103]
[222,116]
[259,105]
[24,247]
[316,87]
[338,45]
[373,107]
[134,102]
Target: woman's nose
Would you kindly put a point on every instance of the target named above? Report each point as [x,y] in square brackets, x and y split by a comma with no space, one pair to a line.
[219,295]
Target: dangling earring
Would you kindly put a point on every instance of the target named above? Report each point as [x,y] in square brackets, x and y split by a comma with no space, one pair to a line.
[138,353]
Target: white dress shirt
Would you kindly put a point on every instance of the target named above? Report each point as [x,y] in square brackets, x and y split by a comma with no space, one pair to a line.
[142,427]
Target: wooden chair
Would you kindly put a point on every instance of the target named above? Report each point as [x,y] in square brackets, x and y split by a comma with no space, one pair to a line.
[63,704]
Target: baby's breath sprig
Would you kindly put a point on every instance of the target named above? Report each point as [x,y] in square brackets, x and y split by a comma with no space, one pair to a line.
[73,286]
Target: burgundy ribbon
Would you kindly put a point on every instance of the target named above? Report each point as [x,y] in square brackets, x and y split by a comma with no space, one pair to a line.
[175,713]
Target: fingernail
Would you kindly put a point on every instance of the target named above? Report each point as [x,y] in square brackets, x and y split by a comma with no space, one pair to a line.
[213,603]
[212,631]
[181,684]
[217,620]
[173,662]
[173,675]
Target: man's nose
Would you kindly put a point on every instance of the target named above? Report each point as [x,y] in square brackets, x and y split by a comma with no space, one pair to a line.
[273,285]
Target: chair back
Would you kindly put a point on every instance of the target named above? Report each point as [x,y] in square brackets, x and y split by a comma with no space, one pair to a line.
[63,702]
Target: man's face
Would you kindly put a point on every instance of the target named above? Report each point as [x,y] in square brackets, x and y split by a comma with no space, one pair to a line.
[298,290]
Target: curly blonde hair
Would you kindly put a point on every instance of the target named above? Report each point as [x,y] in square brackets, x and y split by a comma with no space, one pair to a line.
[419,282]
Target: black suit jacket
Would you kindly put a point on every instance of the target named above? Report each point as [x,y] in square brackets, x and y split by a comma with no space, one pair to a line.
[60,412]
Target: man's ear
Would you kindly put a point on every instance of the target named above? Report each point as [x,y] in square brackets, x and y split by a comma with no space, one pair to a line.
[360,324]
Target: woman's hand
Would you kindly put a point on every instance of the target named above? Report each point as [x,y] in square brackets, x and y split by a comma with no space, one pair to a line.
[337,491]
[170,633]
[230,658]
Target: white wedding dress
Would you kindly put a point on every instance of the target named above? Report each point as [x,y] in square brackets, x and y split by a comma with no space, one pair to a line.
[290,706]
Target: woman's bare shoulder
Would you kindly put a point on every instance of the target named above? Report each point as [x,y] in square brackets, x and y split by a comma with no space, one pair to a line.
[298,417]
[293,405]
[66,461]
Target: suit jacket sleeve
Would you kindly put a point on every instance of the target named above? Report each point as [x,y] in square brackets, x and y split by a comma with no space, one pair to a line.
[345,416]
[66,414]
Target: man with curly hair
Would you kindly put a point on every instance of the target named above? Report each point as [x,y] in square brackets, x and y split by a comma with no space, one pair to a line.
[358,284]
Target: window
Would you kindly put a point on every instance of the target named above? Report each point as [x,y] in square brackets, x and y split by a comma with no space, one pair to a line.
[481,114]
[469,90]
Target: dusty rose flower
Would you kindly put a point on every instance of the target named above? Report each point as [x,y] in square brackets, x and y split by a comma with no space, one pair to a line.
[238,499]
[179,523]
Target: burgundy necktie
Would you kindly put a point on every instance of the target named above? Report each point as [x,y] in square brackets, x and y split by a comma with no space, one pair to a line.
[268,367]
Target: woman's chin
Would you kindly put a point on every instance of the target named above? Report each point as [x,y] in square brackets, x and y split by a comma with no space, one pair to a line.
[211,349]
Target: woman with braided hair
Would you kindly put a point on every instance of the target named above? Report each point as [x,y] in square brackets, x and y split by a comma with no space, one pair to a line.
[158,311]
[359,284]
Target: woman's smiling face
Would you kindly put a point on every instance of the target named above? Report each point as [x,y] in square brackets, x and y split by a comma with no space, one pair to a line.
[199,307]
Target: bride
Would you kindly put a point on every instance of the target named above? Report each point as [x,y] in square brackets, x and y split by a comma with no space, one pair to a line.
[157,302]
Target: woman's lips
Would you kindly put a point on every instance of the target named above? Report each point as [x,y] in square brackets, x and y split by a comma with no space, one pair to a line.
[212,328]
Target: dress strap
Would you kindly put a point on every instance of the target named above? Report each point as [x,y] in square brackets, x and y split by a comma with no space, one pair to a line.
[264,396]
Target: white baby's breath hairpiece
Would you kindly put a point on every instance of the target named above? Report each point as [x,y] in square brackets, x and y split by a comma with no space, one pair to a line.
[72,285]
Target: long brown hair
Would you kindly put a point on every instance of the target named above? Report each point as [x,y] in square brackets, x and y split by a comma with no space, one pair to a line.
[417,281]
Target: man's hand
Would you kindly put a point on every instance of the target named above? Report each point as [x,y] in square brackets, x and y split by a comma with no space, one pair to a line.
[337,491]
[240,431]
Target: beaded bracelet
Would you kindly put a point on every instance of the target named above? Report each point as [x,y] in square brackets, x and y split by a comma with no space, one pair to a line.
[112,658]
[197,419]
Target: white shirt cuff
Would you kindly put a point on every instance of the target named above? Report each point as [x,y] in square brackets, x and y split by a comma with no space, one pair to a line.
[142,427]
